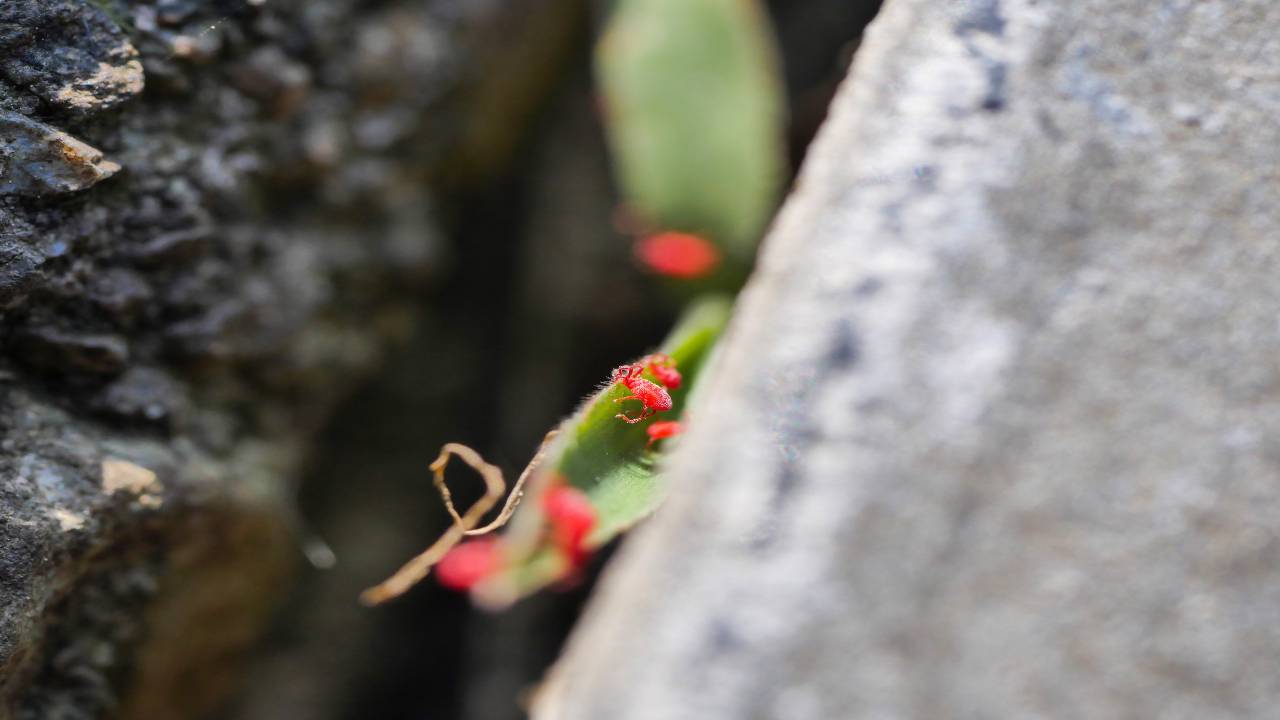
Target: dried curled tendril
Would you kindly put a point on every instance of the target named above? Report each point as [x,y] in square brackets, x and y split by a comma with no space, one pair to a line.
[464,525]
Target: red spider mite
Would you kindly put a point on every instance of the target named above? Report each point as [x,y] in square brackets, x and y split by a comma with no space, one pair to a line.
[653,396]
[663,367]
[678,255]
[663,430]
[571,513]
[572,518]
[469,563]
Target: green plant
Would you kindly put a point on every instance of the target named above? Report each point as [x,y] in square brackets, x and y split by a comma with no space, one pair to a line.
[693,98]
[609,460]
[694,117]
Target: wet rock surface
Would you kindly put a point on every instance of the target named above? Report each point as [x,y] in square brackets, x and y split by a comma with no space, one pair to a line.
[994,433]
[212,215]
[67,56]
[38,159]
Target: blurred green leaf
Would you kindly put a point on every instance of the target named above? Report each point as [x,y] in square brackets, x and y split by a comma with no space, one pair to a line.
[694,104]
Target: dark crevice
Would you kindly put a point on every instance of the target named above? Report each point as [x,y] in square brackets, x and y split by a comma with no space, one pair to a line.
[540,300]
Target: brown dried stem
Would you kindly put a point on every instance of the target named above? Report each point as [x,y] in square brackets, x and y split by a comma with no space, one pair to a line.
[463,525]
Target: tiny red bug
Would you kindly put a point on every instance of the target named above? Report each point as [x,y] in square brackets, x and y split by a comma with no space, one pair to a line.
[678,255]
[653,396]
[663,367]
[663,430]
[468,564]
[572,517]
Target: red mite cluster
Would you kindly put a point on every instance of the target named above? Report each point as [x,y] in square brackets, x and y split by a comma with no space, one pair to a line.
[652,396]
[663,367]
[572,517]
[568,509]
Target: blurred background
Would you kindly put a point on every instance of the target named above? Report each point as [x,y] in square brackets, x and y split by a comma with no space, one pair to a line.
[530,297]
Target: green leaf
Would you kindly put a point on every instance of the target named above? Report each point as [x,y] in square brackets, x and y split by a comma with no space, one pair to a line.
[607,459]
[594,451]
[695,116]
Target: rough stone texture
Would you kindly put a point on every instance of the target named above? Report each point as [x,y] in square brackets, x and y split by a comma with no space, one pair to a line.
[43,160]
[996,433]
[212,216]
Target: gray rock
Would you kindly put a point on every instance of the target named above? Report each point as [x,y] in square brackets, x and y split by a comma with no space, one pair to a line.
[144,396]
[37,159]
[128,562]
[996,432]
[171,340]
[49,349]
[73,56]
[18,267]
